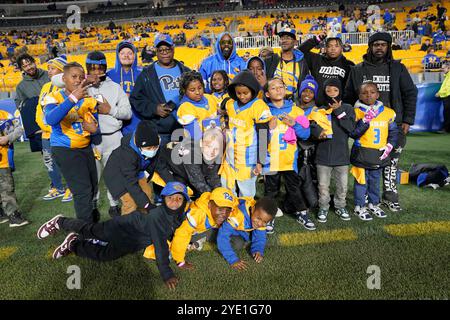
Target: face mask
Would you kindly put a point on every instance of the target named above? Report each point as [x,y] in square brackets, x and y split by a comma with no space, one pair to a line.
[149,153]
[57,80]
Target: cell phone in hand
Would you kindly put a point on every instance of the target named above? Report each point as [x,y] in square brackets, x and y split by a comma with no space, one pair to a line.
[171,105]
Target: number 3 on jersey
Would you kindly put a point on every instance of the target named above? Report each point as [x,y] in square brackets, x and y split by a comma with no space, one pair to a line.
[377,136]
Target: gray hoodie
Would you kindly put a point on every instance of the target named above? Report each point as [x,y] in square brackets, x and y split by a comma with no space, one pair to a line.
[30,87]
[120,106]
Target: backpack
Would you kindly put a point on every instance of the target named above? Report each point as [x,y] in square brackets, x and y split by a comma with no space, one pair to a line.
[429,175]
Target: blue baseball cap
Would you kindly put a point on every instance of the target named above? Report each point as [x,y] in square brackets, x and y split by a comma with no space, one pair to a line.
[172,188]
[163,39]
[288,31]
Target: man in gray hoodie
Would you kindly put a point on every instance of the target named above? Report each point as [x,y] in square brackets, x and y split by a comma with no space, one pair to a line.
[113,108]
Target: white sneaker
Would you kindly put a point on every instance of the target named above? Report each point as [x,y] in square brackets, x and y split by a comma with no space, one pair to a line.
[362,213]
[279,213]
[377,211]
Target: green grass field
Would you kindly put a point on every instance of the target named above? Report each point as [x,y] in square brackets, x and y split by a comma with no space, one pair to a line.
[412,249]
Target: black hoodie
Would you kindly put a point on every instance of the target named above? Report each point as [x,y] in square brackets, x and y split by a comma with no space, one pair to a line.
[322,68]
[335,151]
[400,92]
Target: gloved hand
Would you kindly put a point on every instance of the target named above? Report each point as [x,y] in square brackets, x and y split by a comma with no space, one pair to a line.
[303,121]
[371,114]
[387,150]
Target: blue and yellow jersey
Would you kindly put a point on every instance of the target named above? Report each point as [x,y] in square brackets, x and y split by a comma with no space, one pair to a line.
[239,224]
[194,116]
[241,138]
[68,132]
[322,117]
[220,96]
[46,129]
[7,125]
[290,72]
[283,156]
[377,135]
[198,220]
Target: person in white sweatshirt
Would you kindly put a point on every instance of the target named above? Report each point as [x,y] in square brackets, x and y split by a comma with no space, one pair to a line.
[113,108]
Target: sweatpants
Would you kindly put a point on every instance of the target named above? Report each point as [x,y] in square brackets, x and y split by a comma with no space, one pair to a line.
[371,188]
[7,192]
[96,240]
[292,183]
[108,145]
[340,176]
[78,168]
[390,191]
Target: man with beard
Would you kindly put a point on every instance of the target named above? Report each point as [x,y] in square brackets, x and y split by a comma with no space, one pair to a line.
[291,66]
[115,238]
[157,91]
[397,91]
[225,59]
[27,97]
[332,65]
[113,108]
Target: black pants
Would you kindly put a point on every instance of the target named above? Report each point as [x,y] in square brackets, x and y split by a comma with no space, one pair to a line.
[390,192]
[78,168]
[294,197]
[447,114]
[88,245]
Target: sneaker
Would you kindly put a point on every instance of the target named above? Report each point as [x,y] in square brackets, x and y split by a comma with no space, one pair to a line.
[305,221]
[53,194]
[362,213]
[270,226]
[64,248]
[114,211]
[322,215]
[67,196]
[49,228]
[3,217]
[392,206]
[342,213]
[16,220]
[95,215]
[279,213]
[197,245]
[376,210]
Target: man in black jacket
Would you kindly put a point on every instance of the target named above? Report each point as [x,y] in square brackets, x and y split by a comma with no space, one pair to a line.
[193,163]
[156,92]
[124,235]
[332,65]
[291,66]
[124,172]
[397,91]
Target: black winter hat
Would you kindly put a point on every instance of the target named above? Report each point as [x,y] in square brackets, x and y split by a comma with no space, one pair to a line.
[246,78]
[384,36]
[146,134]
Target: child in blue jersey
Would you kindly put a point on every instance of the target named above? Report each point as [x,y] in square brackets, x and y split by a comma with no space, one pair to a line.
[248,223]
[283,150]
[197,111]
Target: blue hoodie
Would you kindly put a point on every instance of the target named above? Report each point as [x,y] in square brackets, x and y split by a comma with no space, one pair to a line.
[125,79]
[232,66]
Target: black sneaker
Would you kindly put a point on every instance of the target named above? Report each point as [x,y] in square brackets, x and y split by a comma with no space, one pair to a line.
[95,215]
[3,217]
[270,226]
[16,220]
[304,219]
[114,211]
[392,206]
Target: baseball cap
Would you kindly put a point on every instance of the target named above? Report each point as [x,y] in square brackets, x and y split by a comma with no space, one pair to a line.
[163,39]
[223,197]
[174,187]
[288,31]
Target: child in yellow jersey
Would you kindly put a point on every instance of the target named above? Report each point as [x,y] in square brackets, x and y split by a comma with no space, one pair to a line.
[197,111]
[57,190]
[246,224]
[72,116]
[248,120]
[206,214]
[219,85]
[375,135]
[283,151]
[10,131]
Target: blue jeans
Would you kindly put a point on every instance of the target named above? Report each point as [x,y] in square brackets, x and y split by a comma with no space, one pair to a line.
[247,188]
[52,168]
[371,188]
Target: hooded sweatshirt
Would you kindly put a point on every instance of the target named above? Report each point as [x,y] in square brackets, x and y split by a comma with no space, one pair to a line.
[323,68]
[232,66]
[30,87]
[120,76]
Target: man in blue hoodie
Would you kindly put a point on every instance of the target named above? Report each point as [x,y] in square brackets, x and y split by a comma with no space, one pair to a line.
[290,66]
[225,59]
[125,73]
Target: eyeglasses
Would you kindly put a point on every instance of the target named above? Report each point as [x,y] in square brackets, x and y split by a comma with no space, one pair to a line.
[163,51]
